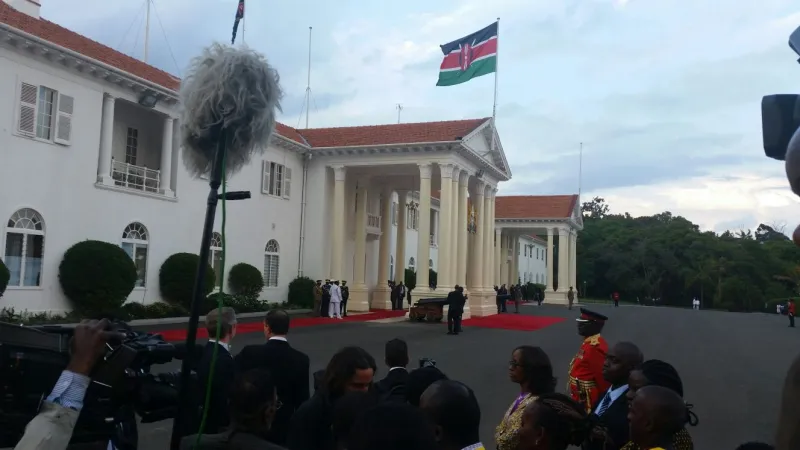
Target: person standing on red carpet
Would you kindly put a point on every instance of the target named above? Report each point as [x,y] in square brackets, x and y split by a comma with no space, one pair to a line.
[586,381]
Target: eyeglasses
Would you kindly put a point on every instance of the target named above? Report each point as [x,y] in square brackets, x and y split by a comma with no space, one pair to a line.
[514,364]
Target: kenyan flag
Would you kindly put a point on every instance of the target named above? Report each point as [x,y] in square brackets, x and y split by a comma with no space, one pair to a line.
[469,57]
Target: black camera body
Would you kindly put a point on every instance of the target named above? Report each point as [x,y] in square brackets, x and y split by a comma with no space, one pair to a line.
[32,359]
[427,362]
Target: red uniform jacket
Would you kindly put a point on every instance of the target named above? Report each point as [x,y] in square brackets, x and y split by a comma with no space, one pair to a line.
[586,383]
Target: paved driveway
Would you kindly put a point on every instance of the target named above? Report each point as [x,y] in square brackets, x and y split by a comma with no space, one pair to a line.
[732,364]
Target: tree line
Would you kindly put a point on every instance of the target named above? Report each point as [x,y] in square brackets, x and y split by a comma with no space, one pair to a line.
[666,259]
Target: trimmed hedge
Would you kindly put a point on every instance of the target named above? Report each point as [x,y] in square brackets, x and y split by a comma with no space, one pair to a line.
[246,280]
[301,292]
[5,275]
[96,276]
[176,278]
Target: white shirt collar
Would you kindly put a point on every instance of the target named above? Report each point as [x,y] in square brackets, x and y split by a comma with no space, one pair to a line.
[278,338]
[614,394]
[398,368]
[224,345]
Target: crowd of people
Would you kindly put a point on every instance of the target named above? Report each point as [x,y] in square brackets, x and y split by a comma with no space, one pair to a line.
[262,399]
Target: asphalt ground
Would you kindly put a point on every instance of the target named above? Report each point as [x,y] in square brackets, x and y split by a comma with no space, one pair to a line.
[732,364]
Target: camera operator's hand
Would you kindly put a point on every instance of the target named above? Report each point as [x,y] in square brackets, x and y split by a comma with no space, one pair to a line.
[89,345]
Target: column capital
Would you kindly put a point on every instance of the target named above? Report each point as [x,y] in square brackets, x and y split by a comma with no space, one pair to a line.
[425,170]
[480,187]
[563,231]
[498,231]
[108,97]
[168,120]
[549,231]
[446,170]
[339,172]
[456,172]
[463,177]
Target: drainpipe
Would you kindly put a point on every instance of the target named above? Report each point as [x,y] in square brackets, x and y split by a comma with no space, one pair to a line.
[306,159]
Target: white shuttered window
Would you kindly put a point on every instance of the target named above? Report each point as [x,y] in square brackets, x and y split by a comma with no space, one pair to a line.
[45,114]
[276,179]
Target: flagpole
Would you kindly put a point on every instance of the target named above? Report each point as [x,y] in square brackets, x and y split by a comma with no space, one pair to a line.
[308,85]
[580,169]
[496,69]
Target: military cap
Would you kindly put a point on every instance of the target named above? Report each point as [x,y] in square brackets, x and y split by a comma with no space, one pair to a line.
[591,316]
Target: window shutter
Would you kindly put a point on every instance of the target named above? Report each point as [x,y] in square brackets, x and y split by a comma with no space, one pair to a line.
[27,109]
[264,177]
[64,119]
[287,182]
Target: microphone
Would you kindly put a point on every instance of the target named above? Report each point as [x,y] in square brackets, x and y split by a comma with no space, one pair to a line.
[229,99]
[228,104]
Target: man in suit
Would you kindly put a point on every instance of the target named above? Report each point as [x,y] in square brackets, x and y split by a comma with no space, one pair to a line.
[611,414]
[345,296]
[392,387]
[221,365]
[326,299]
[289,368]
[455,309]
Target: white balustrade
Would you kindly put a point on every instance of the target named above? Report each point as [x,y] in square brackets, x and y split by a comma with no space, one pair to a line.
[135,177]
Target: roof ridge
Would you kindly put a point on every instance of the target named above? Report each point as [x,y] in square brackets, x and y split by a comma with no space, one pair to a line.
[395,124]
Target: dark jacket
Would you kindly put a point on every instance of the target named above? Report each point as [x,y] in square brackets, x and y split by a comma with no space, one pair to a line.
[224,374]
[392,386]
[456,302]
[311,425]
[290,369]
[228,441]
[615,421]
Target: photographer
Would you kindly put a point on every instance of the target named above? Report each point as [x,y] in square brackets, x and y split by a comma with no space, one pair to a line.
[52,428]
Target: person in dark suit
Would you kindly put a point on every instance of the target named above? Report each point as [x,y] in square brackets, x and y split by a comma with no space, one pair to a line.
[455,309]
[326,299]
[223,368]
[289,368]
[611,431]
[392,386]
[345,296]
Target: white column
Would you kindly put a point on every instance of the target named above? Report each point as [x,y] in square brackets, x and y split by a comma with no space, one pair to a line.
[165,172]
[400,250]
[563,260]
[445,282]
[463,251]
[106,140]
[423,235]
[359,266]
[498,237]
[381,298]
[339,208]
[488,236]
[455,224]
[476,258]
[573,259]
[513,276]
[549,260]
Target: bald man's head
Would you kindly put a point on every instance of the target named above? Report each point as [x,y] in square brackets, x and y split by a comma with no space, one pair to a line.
[454,410]
[620,360]
[655,415]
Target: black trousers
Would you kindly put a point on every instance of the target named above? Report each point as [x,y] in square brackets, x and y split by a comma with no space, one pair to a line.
[343,312]
[453,322]
[323,307]
[397,302]
[791,320]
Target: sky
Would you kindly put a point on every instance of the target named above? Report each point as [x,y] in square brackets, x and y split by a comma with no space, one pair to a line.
[664,94]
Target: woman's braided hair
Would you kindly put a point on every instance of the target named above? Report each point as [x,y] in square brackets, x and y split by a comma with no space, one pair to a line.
[565,421]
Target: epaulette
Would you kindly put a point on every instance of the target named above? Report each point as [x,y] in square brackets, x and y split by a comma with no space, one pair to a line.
[593,340]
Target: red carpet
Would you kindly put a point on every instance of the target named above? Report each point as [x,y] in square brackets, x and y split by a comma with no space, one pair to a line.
[513,322]
[299,322]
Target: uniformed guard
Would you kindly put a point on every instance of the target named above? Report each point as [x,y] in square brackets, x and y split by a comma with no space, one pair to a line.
[586,381]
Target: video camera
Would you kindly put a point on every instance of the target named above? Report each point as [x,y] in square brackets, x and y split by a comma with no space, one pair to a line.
[32,359]
[427,362]
[780,115]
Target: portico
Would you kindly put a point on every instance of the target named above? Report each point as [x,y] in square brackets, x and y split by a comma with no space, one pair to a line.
[559,219]
[448,173]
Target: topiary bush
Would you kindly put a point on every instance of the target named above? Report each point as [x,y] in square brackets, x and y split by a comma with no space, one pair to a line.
[301,292]
[245,280]
[96,276]
[5,275]
[176,279]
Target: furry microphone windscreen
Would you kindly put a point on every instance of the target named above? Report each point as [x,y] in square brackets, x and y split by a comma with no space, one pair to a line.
[229,93]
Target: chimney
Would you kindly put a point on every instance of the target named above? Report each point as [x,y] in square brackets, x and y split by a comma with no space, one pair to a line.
[29,7]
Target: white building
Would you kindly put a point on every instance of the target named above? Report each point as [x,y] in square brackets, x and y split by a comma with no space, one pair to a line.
[88,150]
[532,262]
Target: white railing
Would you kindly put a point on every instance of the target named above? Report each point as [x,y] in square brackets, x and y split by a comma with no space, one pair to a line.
[135,177]
[432,240]
[373,221]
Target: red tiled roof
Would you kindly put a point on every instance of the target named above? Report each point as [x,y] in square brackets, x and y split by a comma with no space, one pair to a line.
[406,133]
[534,206]
[59,35]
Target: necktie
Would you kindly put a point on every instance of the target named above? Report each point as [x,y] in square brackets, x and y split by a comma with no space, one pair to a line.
[604,404]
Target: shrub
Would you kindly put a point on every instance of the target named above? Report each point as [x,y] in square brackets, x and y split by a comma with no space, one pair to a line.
[176,279]
[245,280]
[240,303]
[5,275]
[410,279]
[301,292]
[433,277]
[134,310]
[96,276]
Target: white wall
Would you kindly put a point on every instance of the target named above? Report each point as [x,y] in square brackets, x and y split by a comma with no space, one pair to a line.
[59,182]
[533,266]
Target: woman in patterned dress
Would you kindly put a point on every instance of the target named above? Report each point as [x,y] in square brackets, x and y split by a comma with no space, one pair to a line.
[530,368]
[655,372]
[553,422]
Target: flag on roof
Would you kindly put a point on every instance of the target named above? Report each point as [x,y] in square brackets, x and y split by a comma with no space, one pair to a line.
[239,16]
[469,57]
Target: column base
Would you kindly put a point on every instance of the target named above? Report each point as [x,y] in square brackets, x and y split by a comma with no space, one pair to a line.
[556,298]
[483,305]
[105,180]
[167,192]
[359,299]
[382,298]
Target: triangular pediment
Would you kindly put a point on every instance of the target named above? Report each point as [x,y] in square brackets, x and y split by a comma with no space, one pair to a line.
[481,142]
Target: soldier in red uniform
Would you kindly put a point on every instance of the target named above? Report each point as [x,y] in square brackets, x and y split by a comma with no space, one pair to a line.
[586,382]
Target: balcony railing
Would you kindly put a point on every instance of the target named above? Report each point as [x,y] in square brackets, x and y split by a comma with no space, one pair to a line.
[135,177]
[373,221]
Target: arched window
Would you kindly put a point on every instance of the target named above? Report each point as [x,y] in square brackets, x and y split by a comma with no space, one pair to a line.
[391,266]
[411,263]
[134,242]
[215,258]
[271,263]
[25,248]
